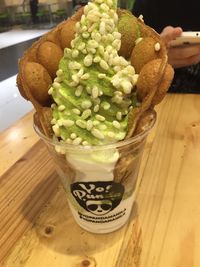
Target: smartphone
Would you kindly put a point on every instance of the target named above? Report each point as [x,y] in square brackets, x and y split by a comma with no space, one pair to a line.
[186,38]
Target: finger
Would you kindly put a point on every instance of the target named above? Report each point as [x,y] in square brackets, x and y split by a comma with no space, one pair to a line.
[184,62]
[184,51]
[169,33]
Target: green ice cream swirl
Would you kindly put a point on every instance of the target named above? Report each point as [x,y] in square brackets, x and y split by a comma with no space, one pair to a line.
[94,88]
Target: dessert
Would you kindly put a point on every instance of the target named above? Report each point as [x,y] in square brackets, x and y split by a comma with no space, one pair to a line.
[108,68]
[94,81]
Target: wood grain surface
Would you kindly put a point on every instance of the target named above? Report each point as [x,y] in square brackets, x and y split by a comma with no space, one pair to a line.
[19,203]
[16,141]
[163,230]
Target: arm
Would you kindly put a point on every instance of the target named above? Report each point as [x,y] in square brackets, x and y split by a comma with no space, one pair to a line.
[180,56]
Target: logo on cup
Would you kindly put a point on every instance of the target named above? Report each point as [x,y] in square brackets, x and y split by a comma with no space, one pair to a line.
[98,198]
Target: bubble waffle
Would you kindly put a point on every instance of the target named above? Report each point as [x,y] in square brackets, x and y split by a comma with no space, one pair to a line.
[139,43]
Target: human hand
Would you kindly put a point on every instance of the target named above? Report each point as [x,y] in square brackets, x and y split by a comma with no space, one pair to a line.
[180,56]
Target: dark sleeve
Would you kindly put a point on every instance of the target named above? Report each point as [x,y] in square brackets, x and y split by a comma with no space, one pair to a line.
[159,14]
[151,11]
[138,8]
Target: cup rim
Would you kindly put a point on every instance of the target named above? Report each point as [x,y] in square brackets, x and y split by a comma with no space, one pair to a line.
[136,138]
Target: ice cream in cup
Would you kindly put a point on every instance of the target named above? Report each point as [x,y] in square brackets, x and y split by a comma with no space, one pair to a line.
[94,102]
[100,181]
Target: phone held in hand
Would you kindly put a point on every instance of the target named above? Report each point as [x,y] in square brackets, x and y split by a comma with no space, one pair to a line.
[186,38]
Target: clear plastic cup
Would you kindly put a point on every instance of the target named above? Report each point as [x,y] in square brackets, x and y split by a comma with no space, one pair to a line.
[99,181]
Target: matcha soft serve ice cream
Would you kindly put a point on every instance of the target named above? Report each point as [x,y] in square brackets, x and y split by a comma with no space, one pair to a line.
[94,87]
[93,94]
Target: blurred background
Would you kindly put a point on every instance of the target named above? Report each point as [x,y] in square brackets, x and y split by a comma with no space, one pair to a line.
[42,13]
[22,22]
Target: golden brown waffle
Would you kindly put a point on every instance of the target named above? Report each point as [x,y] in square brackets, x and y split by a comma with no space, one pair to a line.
[38,66]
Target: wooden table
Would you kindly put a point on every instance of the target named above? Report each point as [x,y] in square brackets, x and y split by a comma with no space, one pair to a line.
[37,229]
